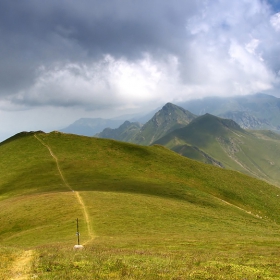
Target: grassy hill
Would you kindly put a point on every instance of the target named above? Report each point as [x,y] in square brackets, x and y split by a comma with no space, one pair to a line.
[222,142]
[145,213]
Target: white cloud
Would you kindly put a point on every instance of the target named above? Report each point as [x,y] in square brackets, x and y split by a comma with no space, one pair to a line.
[230,46]
[275,21]
[252,46]
[225,51]
[110,82]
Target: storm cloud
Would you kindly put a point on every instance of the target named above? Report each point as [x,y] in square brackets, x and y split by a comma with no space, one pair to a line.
[123,55]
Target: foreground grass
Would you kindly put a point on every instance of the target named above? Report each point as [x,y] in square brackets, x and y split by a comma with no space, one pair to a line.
[8,255]
[185,261]
[31,220]
[148,237]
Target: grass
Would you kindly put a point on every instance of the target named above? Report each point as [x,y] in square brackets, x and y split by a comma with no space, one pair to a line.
[43,218]
[189,261]
[154,214]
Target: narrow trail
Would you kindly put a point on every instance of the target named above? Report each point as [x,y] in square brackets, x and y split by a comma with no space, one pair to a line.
[56,160]
[21,268]
[76,193]
[235,206]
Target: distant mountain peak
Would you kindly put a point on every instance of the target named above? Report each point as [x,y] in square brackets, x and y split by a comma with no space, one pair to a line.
[210,121]
[170,106]
[170,117]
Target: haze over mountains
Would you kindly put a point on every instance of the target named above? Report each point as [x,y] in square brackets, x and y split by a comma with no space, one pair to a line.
[91,126]
[259,111]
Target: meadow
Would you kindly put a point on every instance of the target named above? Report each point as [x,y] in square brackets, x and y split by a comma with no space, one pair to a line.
[144,212]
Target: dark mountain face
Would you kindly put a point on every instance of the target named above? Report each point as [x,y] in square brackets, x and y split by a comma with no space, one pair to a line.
[212,124]
[201,132]
[170,117]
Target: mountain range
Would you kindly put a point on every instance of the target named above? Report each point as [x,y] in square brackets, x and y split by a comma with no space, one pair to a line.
[209,139]
[91,126]
[169,118]
[224,143]
[259,111]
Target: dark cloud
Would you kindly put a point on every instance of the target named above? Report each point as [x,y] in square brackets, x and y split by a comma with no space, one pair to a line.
[192,47]
[36,32]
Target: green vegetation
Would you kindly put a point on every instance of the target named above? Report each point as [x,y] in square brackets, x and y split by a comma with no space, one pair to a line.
[222,142]
[153,213]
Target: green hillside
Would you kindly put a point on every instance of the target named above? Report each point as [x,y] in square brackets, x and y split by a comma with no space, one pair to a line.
[222,142]
[145,213]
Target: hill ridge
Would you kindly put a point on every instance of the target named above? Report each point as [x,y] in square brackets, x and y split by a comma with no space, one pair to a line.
[155,213]
[77,194]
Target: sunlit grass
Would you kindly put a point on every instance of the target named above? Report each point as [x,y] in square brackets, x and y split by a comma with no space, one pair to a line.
[182,261]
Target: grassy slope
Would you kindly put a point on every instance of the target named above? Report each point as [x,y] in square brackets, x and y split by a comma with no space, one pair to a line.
[145,203]
[253,153]
[33,195]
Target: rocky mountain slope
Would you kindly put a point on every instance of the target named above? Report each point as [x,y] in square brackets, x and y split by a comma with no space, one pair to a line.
[167,119]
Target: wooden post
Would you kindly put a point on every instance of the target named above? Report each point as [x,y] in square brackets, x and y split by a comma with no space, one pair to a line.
[78,246]
[78,233]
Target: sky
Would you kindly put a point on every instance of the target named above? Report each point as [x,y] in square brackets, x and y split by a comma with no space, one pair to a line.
[65,60]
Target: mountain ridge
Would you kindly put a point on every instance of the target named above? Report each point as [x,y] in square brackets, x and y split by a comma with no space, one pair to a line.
[227,145]
[257,111]
[166,119]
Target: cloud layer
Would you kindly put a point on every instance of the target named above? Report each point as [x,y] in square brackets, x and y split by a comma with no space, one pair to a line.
[124,54]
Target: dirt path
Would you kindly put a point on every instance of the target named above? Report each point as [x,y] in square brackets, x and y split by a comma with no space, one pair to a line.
[77,194]
[21,268]
[90,233]
[235,206]
[56,160]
